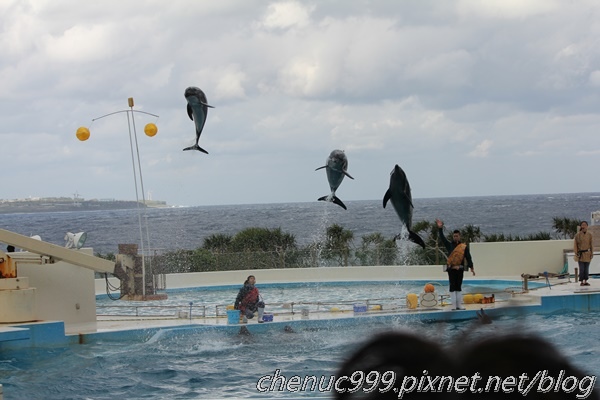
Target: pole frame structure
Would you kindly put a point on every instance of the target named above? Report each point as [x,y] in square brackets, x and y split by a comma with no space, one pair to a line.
[136,156]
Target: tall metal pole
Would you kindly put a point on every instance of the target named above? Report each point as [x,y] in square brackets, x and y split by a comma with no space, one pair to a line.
[131,127]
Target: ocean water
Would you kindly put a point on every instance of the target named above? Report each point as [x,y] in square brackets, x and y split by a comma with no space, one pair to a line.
[186,228]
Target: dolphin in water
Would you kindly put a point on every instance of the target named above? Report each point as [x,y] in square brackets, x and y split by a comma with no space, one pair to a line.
[335,167]
[399,194]
[197,109]
[483,317]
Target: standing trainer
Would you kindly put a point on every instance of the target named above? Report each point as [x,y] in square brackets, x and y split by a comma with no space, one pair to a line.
[459,259]
[584,252]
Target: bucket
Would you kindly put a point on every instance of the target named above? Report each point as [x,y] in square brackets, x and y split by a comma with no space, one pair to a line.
[412,301]
[268,317]
[233,317]
[358,308]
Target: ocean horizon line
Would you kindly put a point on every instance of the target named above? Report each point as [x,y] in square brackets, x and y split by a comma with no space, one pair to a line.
[590,194]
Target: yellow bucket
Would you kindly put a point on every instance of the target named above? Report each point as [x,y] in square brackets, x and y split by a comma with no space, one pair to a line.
[412,301]
[478,298]
[229,307]
[468,299]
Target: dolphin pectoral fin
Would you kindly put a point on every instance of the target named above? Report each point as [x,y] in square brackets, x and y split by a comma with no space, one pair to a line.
[189,111]
[196,147]
[413,237]
[340,203]
[204,104]
[347,174]
[388,195]
[324,166]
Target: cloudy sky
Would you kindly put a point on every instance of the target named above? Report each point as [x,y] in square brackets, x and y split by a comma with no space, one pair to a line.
[470,98]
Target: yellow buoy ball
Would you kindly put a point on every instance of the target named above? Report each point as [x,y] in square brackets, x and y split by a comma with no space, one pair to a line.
[468,299]
[150,129]
[83,133]
[429,288]
[478,298]
[334,309]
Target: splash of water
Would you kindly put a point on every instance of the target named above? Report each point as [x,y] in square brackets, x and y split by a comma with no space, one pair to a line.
[404,248]
[319,237]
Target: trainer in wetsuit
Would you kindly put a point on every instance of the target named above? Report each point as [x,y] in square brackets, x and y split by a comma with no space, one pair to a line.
[458,253]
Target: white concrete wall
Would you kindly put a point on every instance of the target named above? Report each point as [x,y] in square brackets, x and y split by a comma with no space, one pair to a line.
[64,292]
[515,258]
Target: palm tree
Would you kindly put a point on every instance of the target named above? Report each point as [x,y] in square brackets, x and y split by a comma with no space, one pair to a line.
[337,244]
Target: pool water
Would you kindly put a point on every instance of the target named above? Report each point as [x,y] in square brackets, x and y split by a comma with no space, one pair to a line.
[280,298]
[213,365]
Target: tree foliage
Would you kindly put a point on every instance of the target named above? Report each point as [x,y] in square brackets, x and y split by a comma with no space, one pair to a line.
[566,228]
[256,248]
[337,244]
[375,249]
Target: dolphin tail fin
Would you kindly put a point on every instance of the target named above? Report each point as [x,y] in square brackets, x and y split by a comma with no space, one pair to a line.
[196,147]
[413,237]
[339,202]
[333,199]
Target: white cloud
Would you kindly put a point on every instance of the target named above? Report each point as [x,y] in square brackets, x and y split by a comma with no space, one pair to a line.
[482,149]
[292,80]
[230,83]
[507,8]
[283,15]
[595,78]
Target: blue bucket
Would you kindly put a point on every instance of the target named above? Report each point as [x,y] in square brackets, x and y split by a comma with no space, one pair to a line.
[233,316]
[268,317]
[359,308]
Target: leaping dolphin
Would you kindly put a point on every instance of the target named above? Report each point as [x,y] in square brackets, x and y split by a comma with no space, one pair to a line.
[335,167]
[197,109]
[399,193]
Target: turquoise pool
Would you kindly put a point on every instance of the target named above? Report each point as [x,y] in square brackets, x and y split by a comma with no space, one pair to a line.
[213,365]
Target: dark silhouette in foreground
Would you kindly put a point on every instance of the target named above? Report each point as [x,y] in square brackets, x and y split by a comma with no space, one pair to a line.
[513,366]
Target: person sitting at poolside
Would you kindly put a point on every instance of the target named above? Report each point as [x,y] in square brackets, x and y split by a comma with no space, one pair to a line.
[248,300]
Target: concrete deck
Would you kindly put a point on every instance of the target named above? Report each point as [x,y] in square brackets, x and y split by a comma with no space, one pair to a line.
[561,295]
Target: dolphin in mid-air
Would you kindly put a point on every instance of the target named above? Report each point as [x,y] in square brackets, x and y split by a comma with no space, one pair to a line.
[335,167]
[399,194]
[197,109]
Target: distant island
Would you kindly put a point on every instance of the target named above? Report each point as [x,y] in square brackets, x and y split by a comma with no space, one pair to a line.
[52,204]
